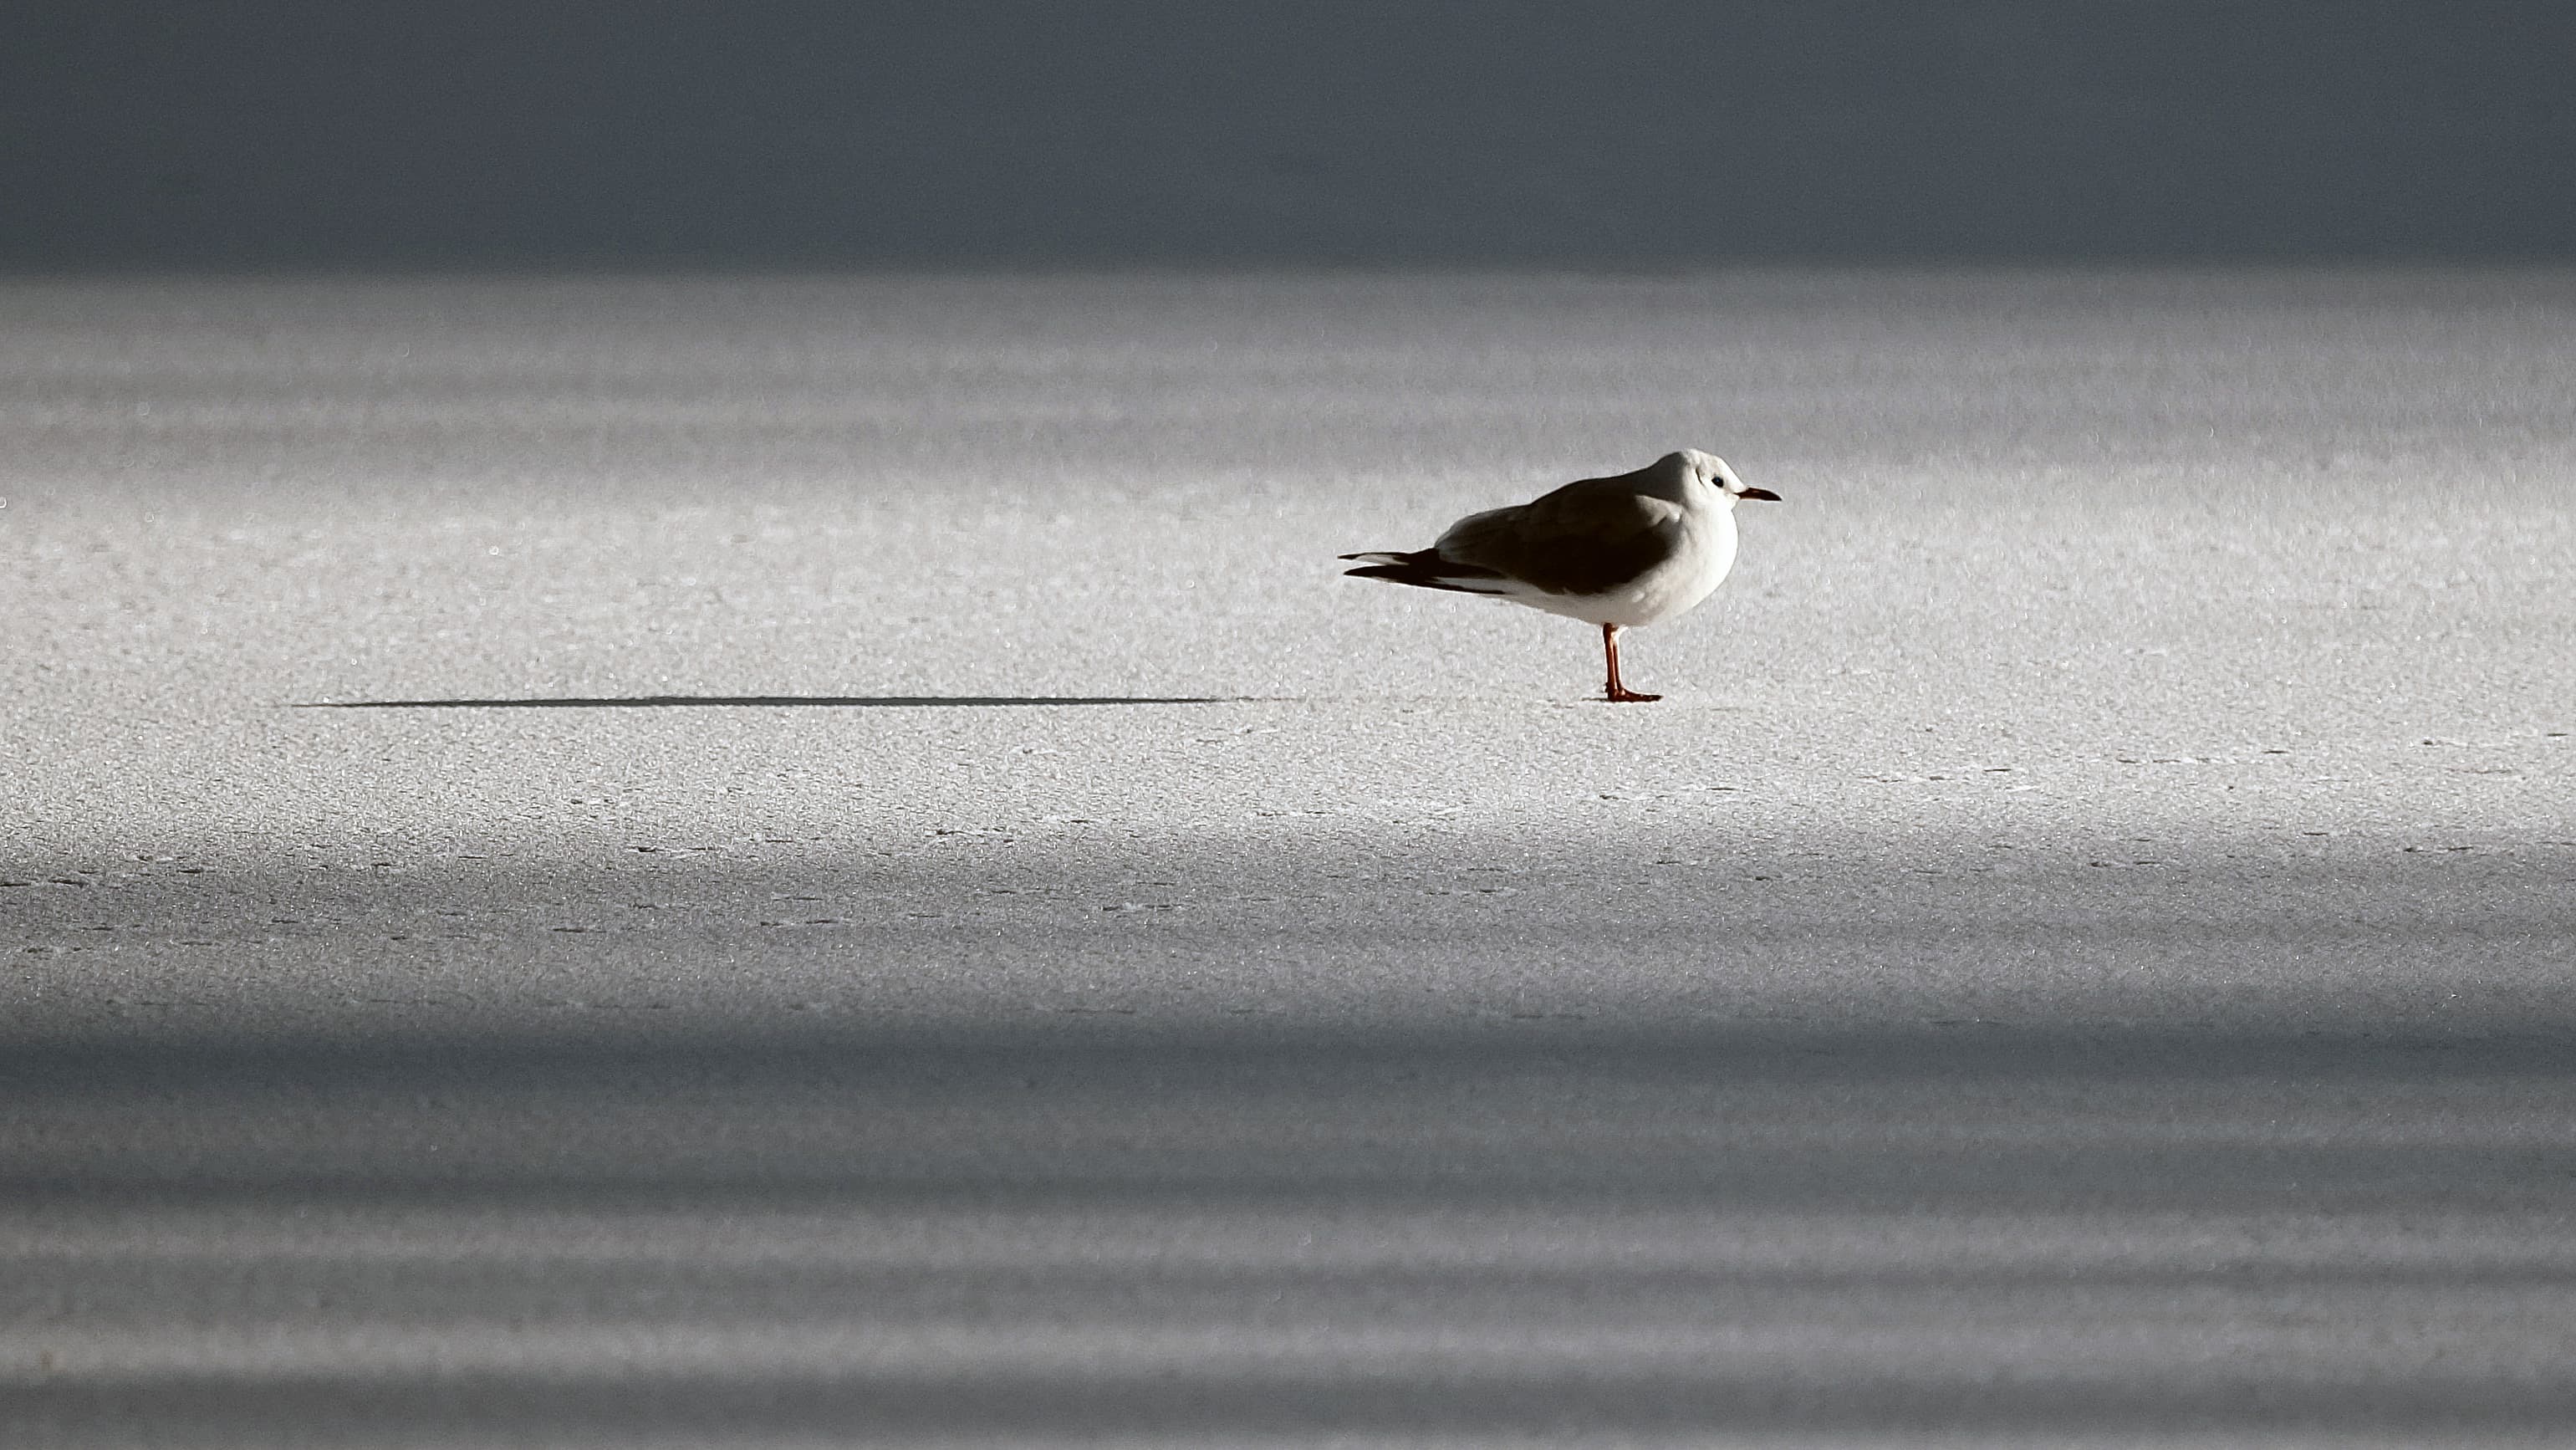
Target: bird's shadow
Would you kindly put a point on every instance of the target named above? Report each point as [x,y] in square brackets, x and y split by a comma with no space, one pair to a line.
[838,702]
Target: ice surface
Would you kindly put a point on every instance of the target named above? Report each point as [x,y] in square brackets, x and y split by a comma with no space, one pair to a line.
[763,858]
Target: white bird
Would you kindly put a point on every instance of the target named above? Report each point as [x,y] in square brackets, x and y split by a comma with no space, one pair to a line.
[1616,552]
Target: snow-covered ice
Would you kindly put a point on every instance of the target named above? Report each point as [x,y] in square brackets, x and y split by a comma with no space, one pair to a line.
[762,857]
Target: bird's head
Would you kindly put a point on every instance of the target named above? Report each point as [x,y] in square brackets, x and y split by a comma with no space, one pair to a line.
[1710,469]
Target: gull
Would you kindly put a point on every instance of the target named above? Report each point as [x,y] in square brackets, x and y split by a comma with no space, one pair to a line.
[1616,552]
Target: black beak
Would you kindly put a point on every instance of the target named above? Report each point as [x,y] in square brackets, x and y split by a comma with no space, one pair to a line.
[1759,493]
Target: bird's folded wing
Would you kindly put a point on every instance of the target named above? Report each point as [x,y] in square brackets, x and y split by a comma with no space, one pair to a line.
[1585,538]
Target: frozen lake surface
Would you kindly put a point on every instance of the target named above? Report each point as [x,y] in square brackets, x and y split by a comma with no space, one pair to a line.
[778,860]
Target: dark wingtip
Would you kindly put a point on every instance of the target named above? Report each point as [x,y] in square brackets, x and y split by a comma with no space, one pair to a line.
[1418,577]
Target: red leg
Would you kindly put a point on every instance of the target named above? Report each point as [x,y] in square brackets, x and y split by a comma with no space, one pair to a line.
[1615,692]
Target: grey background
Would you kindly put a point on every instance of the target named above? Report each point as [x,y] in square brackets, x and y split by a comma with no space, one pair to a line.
[490,135]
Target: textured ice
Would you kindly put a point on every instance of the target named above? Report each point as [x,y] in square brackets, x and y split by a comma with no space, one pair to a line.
[761,858]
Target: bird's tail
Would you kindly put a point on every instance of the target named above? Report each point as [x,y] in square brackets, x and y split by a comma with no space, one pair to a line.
[1425,569]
